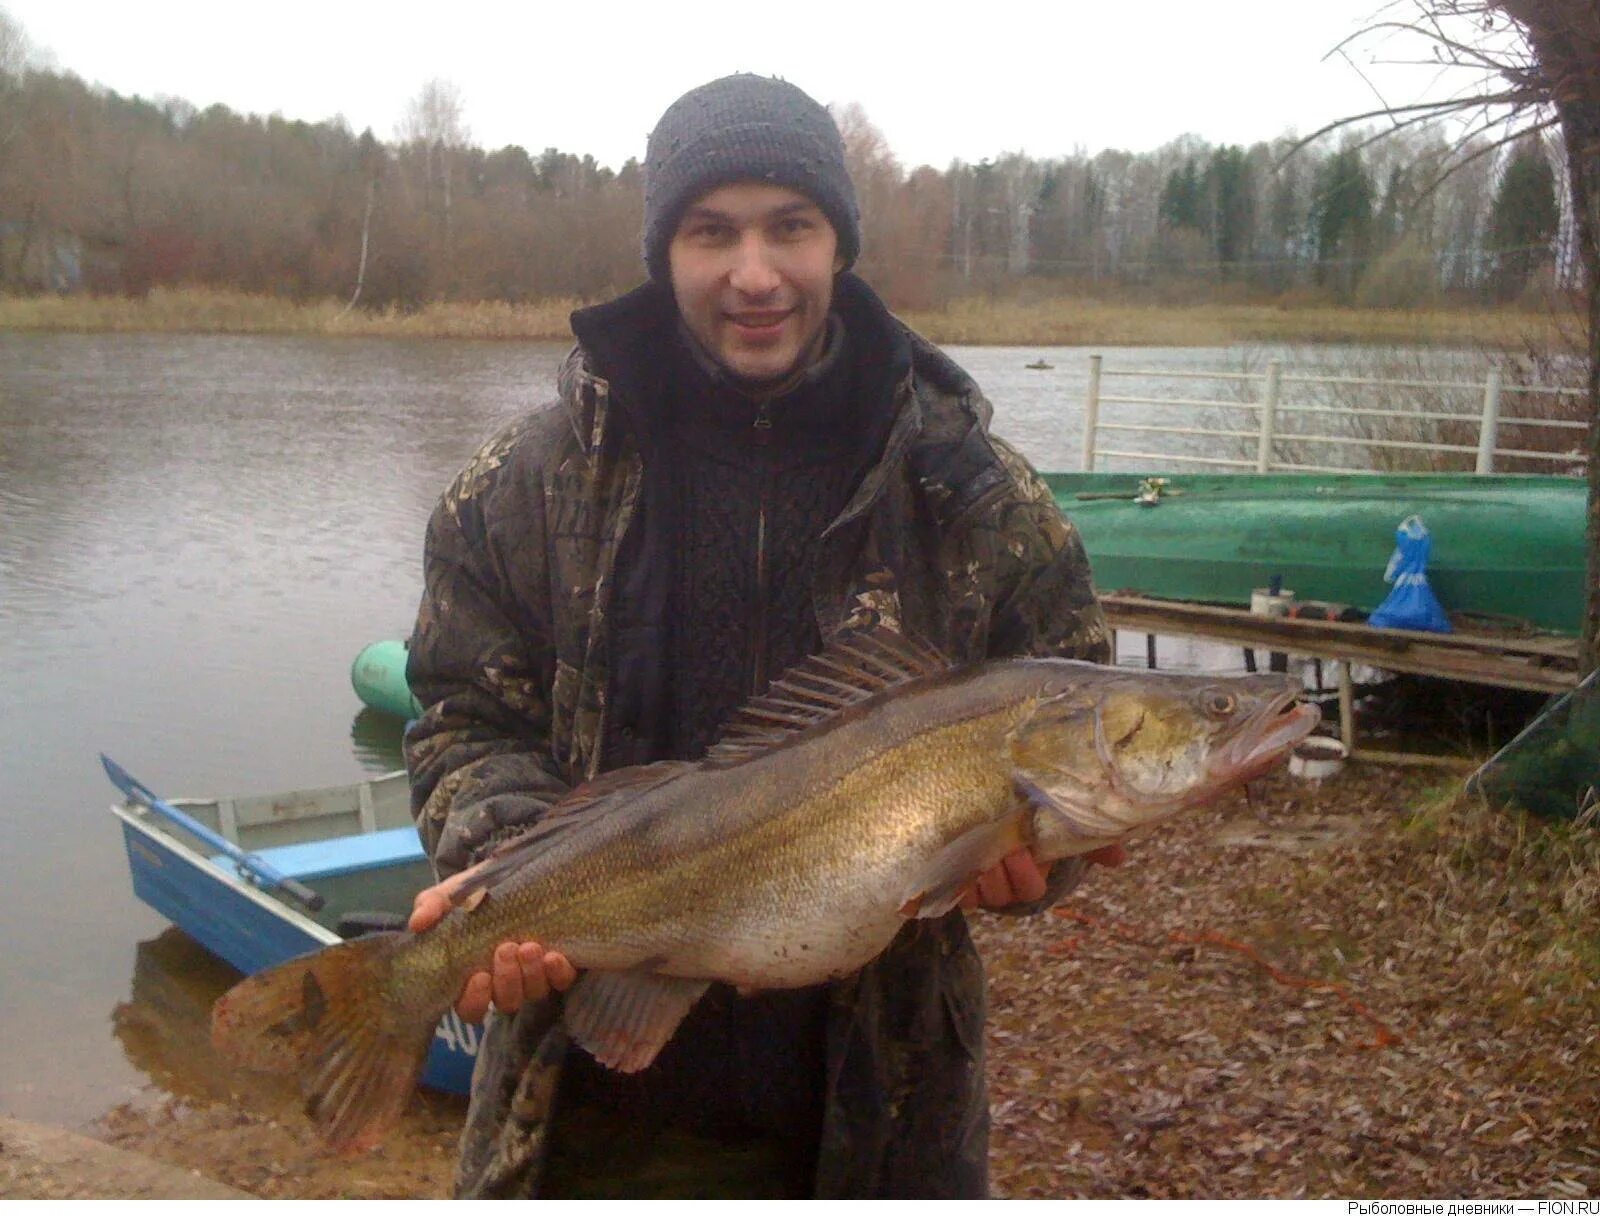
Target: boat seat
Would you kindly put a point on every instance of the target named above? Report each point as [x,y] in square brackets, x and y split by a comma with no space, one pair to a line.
[341,855]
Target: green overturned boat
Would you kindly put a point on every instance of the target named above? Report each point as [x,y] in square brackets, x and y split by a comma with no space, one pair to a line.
[1508,551]
[1504,547]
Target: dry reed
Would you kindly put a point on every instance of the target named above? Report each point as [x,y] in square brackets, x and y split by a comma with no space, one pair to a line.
[195,310]
[1089,322]
[1049,322]
[1423,393]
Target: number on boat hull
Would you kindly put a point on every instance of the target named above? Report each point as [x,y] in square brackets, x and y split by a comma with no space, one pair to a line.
[457,1035]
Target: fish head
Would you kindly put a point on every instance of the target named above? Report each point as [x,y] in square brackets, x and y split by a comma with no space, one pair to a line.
[1101,755]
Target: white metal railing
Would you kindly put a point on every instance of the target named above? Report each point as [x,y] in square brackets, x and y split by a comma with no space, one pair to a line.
[1269,407]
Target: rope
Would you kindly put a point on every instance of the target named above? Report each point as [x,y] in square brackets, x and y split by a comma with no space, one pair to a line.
[1384,1036]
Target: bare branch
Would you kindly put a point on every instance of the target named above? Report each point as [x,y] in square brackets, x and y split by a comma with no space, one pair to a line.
[1436,36]
[1479,153]
[1432,109]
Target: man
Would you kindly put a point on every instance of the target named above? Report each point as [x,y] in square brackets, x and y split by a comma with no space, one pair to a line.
[748,454]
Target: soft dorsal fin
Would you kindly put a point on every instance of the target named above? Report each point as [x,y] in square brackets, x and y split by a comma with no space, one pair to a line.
[562,817]
[852,668]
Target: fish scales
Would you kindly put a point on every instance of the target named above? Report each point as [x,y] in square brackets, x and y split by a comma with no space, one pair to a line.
[788,823]
[774,862]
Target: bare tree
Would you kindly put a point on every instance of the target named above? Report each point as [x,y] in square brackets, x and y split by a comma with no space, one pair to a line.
[16,54]
[372,159]
[1534,64]
[1563,67]
[433,123]
[879,182]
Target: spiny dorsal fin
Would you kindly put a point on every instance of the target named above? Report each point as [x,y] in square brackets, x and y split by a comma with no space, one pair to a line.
[853,667]
[637,777]
[561,818]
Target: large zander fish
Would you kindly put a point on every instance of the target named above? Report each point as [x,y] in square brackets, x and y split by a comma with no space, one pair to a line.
[870,784]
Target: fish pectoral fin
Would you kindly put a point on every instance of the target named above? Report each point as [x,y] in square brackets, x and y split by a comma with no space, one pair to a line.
[624,1018]
[956,865]
[1059,830]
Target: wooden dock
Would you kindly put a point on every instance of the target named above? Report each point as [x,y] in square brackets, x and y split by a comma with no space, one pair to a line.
[1536,662]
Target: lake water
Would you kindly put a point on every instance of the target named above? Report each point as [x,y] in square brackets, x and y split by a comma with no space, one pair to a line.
[197,535]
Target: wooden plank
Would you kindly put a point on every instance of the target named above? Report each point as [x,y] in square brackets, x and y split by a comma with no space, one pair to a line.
[1453,763]
[1548,665]
[1540,665]
[1389,639]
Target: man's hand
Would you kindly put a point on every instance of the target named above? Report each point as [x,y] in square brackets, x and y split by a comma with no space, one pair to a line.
[522,971]
[1018,879]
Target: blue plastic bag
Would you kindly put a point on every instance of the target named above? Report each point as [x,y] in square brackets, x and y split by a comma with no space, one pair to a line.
[1412,604]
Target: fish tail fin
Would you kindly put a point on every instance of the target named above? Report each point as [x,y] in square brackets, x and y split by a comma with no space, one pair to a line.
[330,1018]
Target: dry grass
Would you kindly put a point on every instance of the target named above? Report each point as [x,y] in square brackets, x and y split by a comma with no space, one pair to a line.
[1093,322]
[1413,387]
[194,310]
[1087,322]
[1049,322]
[1215,1019]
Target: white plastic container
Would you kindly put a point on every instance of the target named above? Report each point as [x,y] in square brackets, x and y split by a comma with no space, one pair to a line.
[1264,603]
[1317,757]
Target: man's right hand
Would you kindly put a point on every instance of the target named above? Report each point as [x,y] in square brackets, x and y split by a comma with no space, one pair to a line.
[521,971]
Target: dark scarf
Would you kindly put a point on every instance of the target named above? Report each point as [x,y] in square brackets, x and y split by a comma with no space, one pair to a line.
[698,629]
[688,587]
[750,483]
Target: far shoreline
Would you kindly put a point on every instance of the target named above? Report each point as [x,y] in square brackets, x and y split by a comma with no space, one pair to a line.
[1060,321]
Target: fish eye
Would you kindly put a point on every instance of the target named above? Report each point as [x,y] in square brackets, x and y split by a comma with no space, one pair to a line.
[1219,704]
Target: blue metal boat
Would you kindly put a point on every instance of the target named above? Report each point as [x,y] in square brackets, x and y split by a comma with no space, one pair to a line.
[354,846]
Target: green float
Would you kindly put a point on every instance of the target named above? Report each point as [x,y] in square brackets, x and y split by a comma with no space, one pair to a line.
[379,677]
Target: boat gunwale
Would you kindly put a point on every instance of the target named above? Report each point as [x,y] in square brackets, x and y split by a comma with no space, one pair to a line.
[165,836]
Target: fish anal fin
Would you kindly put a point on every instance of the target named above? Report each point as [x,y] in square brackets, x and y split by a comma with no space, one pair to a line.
[852,668]
[953,868]
[624,1018]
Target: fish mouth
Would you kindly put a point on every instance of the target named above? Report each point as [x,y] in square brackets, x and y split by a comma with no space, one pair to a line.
[1268,738]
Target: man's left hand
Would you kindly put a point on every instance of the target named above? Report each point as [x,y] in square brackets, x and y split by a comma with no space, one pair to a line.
[1019,879]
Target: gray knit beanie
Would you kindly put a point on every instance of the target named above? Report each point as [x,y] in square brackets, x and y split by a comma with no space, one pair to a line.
[744,128]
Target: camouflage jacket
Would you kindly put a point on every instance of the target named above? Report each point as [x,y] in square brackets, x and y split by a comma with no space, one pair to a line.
[951,536]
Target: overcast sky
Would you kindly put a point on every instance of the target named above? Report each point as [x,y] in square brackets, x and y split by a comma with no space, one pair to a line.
[940,80]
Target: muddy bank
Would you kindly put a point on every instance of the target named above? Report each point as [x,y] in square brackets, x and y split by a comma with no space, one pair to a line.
[39,1162]
[1361,989]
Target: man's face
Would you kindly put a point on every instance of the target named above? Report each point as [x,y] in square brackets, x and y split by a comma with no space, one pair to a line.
[752,271]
